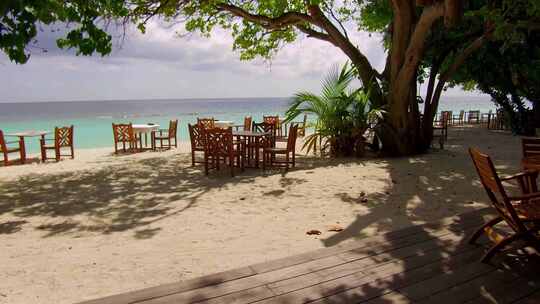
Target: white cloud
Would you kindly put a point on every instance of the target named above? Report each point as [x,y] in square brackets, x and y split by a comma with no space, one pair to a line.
[160,64]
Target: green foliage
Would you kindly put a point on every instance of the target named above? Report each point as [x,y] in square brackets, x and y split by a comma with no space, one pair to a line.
[20,20]
[342,113]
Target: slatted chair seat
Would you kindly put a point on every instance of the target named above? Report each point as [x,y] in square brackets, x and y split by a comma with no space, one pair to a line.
[521,213]
[63,138]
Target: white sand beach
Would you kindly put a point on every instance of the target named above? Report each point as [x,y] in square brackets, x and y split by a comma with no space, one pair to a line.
[102,224]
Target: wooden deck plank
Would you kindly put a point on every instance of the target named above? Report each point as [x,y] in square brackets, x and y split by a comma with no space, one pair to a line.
[365,285]
[297,270]
[400,265]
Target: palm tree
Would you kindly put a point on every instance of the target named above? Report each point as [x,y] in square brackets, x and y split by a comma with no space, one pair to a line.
[342,113]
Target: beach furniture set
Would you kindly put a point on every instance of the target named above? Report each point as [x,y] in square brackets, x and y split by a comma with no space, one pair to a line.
[244,146]
[62,140]
[134,137]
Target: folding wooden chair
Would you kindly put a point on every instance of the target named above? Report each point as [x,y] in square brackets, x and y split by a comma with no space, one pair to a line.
[521,213]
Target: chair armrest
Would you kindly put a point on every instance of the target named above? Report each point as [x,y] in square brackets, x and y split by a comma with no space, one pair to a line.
[13,142]
[525,197]
[528,173]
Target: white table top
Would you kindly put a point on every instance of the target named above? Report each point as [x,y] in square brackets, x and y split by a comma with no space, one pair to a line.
[29,133]
[144,127]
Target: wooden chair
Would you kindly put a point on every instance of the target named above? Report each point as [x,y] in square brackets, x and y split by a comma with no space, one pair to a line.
[521,213]
[266,127]
[448,115]
[5,150]
[219,145]
[124,134]
[441,126]
[196,137]
[302,127]
[270,153]
[63,138]
[473,117]
[167,135]
[206,122]
[459,119]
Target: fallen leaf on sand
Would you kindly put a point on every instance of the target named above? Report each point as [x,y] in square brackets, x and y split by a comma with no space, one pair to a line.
[336,228]
[313,232]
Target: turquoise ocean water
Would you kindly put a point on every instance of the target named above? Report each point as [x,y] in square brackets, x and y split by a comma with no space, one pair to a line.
[93,119]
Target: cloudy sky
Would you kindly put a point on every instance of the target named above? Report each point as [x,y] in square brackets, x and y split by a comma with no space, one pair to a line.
[160,64]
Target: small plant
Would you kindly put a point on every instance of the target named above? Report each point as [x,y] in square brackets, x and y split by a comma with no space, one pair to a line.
[343,114]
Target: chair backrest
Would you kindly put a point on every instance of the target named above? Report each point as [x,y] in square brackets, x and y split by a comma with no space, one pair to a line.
[206,122]
[494,188]
[271,120]
[293,135]
[461,114]
[474,115]
[219,141]
[173,127]
[196,136]
[247,123]
[123,132]
[530,146]
[63,137]
[264,127]
[302,127]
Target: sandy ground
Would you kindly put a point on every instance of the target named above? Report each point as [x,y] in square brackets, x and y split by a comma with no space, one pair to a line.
[100,224]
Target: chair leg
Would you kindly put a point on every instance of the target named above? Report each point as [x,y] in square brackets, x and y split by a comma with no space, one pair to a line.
[480,230]
[192,158]
[6,161]
[503,243]
[287,162]
[43,154]
[72,152]
[57,154]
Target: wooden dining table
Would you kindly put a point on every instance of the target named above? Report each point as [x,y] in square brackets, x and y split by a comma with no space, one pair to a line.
[28,133]
[145,129]
[251,142]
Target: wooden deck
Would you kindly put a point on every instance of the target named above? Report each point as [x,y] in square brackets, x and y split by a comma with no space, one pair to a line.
[422,264]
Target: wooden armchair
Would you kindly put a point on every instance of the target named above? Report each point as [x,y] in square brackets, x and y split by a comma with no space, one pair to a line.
[63,138]
[197,139]
[124,134]
[6,150]
[219,145]
[441,126]
[167,135]
[206,122]
[459,119]
[473,117]
[521,213]
[270,153]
